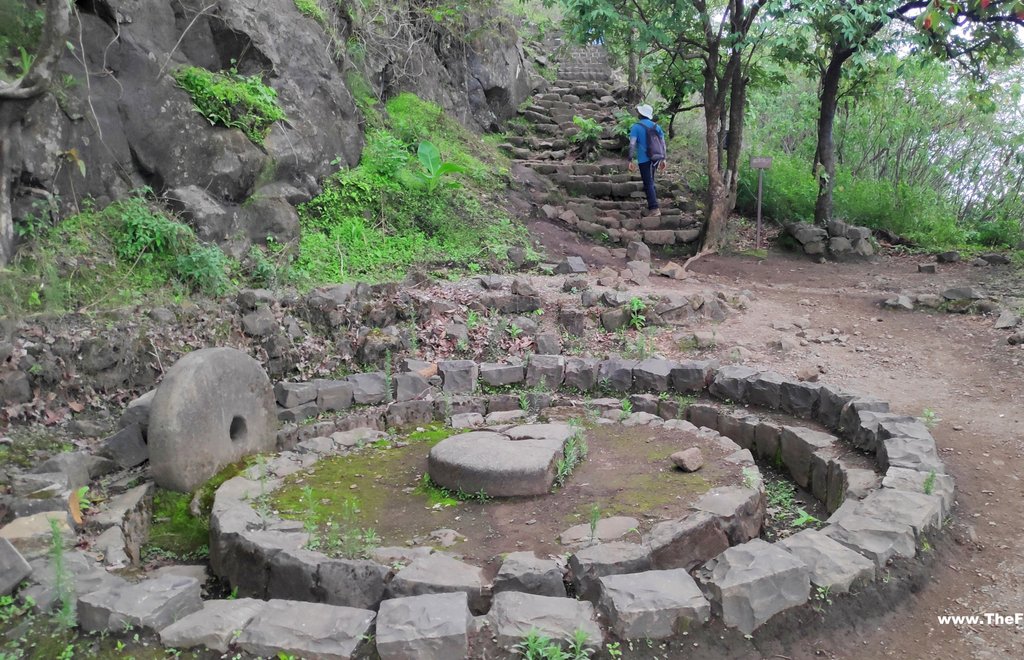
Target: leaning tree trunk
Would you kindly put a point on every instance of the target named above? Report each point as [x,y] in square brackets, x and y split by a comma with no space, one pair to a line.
[633,69]
[716,212]
[825,154]
[13,104]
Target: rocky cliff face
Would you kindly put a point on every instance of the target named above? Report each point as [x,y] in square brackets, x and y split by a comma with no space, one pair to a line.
[130,124]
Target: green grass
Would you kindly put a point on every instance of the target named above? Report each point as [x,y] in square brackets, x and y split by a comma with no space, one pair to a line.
[125,253]
[368,223]
[311,9]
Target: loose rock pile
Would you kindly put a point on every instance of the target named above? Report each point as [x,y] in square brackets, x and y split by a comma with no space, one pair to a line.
[839,240]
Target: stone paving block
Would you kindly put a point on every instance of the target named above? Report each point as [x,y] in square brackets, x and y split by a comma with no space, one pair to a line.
[582,373]
[833,566]
[499,375]
[687,542]
[765,389]
[921,512]
[911,453]
[917,481]
[652,604]
[526,572]
[333,395]
[750,583]
[546,371]
[798,445]
[589,565]
[151,605]
[741,510]
[653,375]
[428,627]
[368,389]
[515,614]
[877,539]
[800,399]
[439,573]
[458,376]
[307,630]
[616,375]
[731,383]
[214,626]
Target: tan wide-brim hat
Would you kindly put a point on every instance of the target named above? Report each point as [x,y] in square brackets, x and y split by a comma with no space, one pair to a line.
[645,110]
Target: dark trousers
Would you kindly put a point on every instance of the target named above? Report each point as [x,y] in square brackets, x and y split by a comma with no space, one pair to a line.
[647,174]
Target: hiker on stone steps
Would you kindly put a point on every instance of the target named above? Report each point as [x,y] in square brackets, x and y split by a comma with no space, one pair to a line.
[647,151]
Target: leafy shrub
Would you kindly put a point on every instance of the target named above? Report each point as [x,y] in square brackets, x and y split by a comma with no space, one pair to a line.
[204,268]
[145,234]
[384,154]
[232,100]
[20,28]
[1002,232]
[588,134]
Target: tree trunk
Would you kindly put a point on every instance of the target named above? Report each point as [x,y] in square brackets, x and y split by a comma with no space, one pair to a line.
[633,90]
[825,154]
[716,211]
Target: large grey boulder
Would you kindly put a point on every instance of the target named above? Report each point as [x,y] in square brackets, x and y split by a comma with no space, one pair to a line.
[750,583]
[833,566]
[13,567]
[589,565]
[151,605]
[428,627]
[492,463]
[439,573]
[306,630]
[687,542]
[514,615]
[528,573]
[652,604]
[214,406]
[214,626]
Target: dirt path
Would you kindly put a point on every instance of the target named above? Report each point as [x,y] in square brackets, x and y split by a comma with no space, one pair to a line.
[956,366]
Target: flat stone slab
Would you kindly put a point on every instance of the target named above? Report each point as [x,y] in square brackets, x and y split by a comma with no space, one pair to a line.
[919,511]
[13,567]
[741,510]
[214,626]
[652,604]
[833,565]
[752,582]
[515,614]
[607,529]
[526,572]
[151,605]
[306,630]
[494,464]
[428,627]
[438,573]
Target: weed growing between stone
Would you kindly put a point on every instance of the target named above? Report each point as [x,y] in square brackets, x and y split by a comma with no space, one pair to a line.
[575,450]
[783,508]
[63,582]
[537,646]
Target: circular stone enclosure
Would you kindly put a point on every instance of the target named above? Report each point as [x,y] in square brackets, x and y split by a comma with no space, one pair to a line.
[214,406]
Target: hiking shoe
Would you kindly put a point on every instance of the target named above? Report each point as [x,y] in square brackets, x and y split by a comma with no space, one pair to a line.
[653,213]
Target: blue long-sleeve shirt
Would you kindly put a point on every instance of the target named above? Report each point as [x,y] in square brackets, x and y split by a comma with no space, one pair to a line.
[638,139]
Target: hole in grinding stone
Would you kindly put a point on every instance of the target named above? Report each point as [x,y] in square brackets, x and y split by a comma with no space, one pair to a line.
[238,429]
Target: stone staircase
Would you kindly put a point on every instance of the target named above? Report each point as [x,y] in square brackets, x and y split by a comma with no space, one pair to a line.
[599,197]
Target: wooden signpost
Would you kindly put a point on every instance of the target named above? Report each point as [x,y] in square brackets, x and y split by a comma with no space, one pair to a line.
[760,163]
